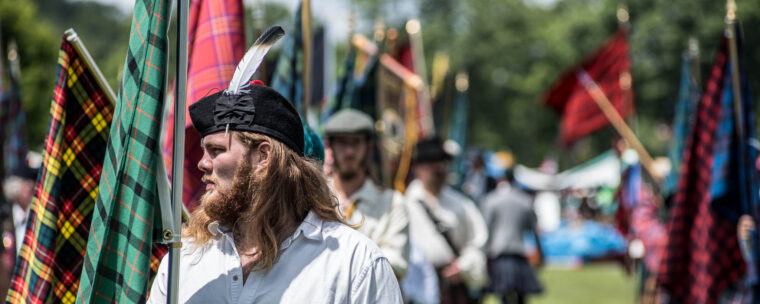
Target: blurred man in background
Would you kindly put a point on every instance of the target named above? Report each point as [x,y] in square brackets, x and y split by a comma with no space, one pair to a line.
[380,211]
[508,212]
[447,225]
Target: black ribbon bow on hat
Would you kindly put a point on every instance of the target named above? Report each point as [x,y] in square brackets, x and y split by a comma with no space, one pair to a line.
[234,109]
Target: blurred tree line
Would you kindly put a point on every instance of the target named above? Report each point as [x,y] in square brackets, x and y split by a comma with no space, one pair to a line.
[512,50]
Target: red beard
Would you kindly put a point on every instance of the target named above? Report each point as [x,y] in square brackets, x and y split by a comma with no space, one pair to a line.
[226,205]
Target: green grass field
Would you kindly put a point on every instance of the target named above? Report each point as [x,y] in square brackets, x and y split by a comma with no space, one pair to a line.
[601,283]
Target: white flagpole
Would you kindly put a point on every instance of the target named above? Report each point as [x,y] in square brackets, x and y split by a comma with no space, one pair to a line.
[178,156]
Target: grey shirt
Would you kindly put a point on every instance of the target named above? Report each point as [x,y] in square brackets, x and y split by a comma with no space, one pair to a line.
[509,213]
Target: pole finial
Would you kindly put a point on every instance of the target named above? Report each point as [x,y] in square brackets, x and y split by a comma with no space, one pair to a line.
[622,14]
[693,47]
[730,11]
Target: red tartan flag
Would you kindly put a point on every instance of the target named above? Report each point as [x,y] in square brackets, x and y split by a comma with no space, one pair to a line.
[52,252]
[703,257]
[609,67]
[216,45]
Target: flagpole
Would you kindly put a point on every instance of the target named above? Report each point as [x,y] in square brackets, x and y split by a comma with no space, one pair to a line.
[734,57]
[617,122]
[306,38]
[733,51]
[414,29]
[178,156]
[71,36]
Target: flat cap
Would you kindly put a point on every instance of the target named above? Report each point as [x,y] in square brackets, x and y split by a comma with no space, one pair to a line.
[349,122]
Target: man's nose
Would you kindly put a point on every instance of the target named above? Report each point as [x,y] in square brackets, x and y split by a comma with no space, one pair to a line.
[205,163]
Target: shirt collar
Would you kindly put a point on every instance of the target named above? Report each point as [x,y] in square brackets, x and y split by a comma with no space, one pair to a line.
[217,229]
[311,228]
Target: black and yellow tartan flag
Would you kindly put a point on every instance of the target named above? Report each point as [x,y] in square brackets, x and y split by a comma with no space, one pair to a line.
[50,261]
[117,266]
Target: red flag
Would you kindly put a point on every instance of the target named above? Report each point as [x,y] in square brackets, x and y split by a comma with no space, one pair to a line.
[609,68]
[216,45]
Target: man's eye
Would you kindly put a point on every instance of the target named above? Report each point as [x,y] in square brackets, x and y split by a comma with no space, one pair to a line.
[215,151]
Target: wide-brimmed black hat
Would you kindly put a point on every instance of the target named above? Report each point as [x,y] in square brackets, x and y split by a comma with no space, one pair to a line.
[259,109]
[430,150]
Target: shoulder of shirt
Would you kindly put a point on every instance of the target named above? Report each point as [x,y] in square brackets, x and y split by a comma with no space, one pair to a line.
[352,239]
[452,194]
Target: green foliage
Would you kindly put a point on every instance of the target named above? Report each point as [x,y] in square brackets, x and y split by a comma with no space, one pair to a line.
[36,45]
[37,27]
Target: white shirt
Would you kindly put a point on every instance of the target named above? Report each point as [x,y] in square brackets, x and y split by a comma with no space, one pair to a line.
[383,218]
[322,262]
[421,282]
[467,231]
[19,225]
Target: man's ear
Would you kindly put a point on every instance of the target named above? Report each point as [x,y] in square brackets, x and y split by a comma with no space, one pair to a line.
[264,150]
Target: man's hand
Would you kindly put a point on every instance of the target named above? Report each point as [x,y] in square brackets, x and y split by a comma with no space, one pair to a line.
[745,226]
[452,273]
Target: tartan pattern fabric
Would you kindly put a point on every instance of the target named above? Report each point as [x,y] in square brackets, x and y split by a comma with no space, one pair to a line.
[609,67]
[336,101]
[457,130]
[288,81]
[702,256]
[688,97]
[50,262]
[216,44]
[126,219]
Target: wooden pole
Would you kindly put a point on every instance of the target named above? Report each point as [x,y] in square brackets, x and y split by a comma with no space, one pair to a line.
[410,138]
[734,57]
[617,122]
[746,187]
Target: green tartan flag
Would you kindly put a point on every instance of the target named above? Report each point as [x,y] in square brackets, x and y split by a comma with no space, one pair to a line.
[126,219]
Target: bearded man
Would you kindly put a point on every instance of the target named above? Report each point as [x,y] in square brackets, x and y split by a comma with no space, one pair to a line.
[268,229]
[380,212]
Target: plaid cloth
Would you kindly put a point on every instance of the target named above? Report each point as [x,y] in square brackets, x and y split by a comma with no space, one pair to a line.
[609,67]
[688,97]
[216,44]
[457,130]
[702,256]
[288,81]
[50,261]
[126,221]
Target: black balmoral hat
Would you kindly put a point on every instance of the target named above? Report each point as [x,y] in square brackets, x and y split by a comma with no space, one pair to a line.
[430,150]
[260,109]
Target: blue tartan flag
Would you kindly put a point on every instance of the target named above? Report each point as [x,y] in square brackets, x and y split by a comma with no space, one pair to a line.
[288,81]
[688,96]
